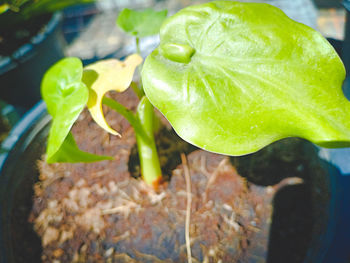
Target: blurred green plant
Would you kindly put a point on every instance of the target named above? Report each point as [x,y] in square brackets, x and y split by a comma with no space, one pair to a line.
[13,12]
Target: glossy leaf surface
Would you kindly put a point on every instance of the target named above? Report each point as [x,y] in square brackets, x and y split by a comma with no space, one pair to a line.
[141,23]
[104,76]
[66,96]
[233,77]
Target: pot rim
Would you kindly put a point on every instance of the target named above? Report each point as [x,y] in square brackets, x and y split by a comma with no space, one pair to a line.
[28,119]
[27,50]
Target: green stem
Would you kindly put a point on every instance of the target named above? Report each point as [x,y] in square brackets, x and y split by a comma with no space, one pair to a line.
[143,124]
[127,114]
[138,49]
[149,161]
[139,68]
[138,90]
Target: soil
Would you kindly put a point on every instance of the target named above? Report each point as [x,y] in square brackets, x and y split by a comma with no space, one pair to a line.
[13,37]
[99,213]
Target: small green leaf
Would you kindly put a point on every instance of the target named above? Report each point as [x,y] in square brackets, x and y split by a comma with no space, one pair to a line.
[69,152]
[66,96]
[233,77]
[141,23]
[60,81]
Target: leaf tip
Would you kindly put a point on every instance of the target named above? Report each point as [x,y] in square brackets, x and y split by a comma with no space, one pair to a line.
[107,128]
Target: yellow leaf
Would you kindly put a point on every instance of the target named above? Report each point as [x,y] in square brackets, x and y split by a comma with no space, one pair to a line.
[106,75]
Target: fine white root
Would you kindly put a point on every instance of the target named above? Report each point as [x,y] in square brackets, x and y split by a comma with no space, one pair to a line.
[213,177]
[188,207]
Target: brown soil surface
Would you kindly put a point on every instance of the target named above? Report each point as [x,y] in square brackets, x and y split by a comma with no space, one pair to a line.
[98,213]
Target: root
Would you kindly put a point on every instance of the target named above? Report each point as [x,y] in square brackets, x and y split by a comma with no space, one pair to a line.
[188,207]
[213,177]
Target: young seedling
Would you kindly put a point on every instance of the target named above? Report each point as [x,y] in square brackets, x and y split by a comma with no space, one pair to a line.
[70,87]
[230,77]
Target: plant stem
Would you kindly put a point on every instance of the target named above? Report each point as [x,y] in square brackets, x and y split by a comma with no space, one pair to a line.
[139,68]
[144,123]
[149,161]
[131,118]
[137,42]
[138,90]
[188,207]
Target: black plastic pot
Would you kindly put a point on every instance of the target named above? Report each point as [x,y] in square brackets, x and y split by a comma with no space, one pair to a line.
[21,74]
[21,150]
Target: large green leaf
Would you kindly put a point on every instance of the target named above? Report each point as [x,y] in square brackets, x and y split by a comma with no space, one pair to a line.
[233,77]
[66,96]
[141,23]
